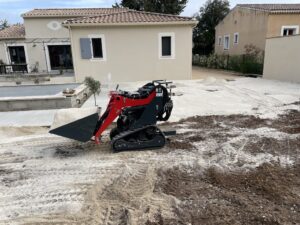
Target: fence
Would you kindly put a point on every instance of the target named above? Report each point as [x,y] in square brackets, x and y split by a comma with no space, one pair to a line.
[9,69]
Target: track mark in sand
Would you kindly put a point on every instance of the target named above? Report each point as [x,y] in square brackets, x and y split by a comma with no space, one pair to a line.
[48,176]
[129,199]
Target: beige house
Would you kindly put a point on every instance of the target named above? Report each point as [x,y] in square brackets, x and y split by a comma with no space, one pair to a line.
[132,45]
[110,44]
[42,43]
[253,24]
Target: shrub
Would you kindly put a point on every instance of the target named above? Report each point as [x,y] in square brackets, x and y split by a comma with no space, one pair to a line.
[36,80]
[94,86]
[234,63]
[203,61]
[212,61]
[249,63]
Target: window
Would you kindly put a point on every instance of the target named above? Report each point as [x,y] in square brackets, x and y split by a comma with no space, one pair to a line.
[236,38]
[93,47]
[226,42]
[97,48]
[289,30]
[166,45]
[220,41]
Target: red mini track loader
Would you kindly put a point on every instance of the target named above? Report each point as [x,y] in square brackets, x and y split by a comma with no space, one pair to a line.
[137,112]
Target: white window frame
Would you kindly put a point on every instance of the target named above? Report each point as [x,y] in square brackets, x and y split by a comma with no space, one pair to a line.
[238,38]
[290,27]
[16,45]
[220,40]
[225,36]
[102,36]
[48,55]
[172,35]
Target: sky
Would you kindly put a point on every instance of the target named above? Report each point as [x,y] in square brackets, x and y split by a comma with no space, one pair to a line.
[12,9]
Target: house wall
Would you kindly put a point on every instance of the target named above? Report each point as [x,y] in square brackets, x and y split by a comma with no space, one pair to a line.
[38,30]
[132,53]
[45,28]
[36,54]
[282,59]
[3,52]
[276,21]
[251,26]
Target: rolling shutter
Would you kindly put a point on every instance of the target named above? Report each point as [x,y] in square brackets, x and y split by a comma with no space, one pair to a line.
[85,47]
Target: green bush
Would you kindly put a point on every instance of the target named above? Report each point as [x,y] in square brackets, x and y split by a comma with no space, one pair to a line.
[202,61]
[249,63]
[234,63]
[212,61]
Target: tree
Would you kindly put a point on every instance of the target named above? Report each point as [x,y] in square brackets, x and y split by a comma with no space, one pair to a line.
[160,6]
[209,17]
[94,86]
[3,24]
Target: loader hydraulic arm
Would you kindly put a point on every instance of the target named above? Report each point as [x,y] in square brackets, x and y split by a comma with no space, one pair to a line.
[118,101]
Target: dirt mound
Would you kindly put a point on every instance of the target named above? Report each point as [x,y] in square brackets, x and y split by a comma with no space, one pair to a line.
[288,123]
[289,147]
[267,195]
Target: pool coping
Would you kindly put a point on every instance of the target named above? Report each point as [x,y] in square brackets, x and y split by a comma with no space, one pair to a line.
[59,95]
[44,102]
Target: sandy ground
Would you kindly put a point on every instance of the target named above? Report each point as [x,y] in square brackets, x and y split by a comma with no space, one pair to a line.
[234,160]
[233,169]
[203,73]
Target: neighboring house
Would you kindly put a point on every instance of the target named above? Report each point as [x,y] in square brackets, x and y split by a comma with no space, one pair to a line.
[253,23]
[110,44]
[282,57]
[42,42]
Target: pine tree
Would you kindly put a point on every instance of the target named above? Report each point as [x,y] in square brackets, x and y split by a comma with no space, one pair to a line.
[160,6]
[209,17]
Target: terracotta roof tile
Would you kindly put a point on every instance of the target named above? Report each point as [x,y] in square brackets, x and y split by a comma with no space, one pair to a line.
[130,16]
[273,8]
[13,32]
[71,12]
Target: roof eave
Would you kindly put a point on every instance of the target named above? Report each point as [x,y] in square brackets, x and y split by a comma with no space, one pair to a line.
[12,38]
[50,16]
[254,9]
[285,12]
[192,23]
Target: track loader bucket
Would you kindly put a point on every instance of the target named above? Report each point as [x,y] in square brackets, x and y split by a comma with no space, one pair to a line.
[75,123]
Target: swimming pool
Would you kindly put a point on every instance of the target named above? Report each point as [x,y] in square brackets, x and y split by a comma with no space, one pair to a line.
[34,90]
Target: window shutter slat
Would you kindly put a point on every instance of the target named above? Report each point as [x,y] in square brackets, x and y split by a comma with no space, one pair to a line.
[85,47]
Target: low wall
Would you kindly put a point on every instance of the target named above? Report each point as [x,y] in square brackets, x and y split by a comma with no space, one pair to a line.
[282,59]
[46,102]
